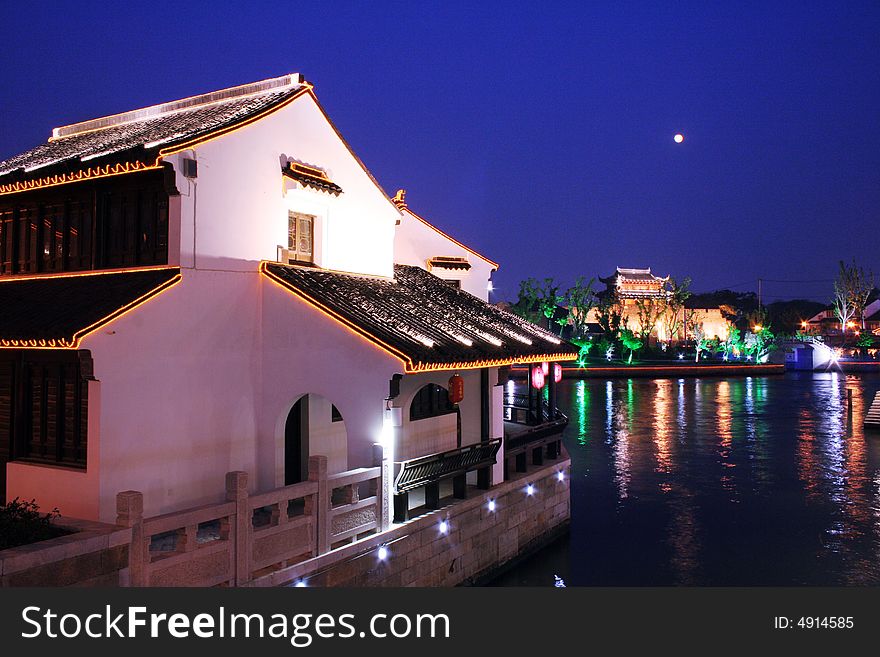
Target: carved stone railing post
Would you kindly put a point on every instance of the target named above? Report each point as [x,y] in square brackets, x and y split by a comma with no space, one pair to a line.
[130,513]
[318,473]
[236,491]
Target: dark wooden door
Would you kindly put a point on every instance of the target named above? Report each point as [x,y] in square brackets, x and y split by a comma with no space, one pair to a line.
[296,443]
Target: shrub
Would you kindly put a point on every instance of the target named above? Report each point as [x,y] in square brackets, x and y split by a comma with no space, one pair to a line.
[22,523]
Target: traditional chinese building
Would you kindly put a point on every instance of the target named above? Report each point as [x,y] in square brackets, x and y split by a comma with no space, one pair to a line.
[633,288]
[219,284]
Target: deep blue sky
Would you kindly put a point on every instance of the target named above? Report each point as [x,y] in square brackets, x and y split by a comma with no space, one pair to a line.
[539,133]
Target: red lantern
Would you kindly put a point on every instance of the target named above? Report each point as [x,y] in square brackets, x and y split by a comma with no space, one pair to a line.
[545,368]
[456,388]
[537,377]
[557,372]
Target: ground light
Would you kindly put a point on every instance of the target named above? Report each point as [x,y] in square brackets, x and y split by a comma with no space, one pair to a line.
[300,584]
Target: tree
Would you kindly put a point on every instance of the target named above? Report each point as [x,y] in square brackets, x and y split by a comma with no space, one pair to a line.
[580,299]
[536,300]
[699,340]
[757,319]
[759,344]
[549,299]
[733,342]
[649,311]
[630,341]
[609,314]
[677,294]
[527,305]
[852,288]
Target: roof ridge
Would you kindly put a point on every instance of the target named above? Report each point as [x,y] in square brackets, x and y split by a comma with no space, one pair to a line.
[290,80]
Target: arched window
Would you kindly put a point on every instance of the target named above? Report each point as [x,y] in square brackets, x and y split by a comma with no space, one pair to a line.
[430,401]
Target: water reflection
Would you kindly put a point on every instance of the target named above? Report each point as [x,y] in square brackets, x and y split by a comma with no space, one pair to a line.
[749,481]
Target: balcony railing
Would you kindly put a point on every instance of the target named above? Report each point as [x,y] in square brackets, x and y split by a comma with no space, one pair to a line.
[429,471]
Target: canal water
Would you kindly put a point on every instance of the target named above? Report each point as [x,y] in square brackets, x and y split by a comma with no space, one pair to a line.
[748,481]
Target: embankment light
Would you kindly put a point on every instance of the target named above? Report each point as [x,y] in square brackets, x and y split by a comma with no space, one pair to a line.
[530,490]
[382,553]
[300,584]
[443,527]
[560,475]
[491,506]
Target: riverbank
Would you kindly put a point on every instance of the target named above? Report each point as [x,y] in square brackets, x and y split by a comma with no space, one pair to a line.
[661,370]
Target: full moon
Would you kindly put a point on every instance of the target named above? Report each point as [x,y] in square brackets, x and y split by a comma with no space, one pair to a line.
[678,138]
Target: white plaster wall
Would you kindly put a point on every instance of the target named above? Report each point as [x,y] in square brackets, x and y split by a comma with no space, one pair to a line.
[304,351]
[180,377]
[240,201]
[427,436]
[415,242]
[417,436]
[325,436]
[199,381]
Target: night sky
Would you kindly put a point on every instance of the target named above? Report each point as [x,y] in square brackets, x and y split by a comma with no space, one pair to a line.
[541,134]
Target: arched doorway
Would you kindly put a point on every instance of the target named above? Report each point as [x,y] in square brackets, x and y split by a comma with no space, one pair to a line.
[296,443]
[434,423]
[313,426]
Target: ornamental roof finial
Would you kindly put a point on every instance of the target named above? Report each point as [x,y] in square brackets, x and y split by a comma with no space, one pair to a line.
[400,199]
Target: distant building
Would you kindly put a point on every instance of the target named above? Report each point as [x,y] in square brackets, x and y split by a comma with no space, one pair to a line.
[827,322]
[634,286]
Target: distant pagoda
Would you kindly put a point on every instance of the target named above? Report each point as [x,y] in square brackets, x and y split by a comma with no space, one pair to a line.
[635,283]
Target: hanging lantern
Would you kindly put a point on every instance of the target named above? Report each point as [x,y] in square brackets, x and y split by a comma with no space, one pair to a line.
[557,372]
[456,388]
[545,368]
[537,377]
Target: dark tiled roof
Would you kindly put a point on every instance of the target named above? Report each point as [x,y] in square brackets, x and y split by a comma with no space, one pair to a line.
[632,275]
[422,320]
[140,139]
[317,180]
[449,262]
[59,310]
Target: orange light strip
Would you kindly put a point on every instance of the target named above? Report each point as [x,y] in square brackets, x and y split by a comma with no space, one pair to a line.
[451,239]
[131,167]
[410,367]
[77,274]
[73,342]
[498,362]
[91,173]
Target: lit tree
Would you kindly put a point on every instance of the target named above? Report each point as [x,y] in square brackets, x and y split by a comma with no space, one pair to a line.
[629,341]
[733,341]
[549,299]
[699,340]
[677,294]
[527,305]
[536,300]
[649,311]
[609,314]
[852,287]
[580,299]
